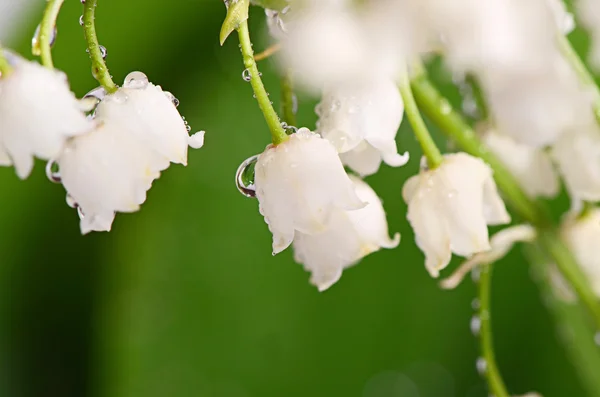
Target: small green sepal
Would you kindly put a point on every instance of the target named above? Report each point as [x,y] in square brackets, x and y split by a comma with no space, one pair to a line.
[237,12]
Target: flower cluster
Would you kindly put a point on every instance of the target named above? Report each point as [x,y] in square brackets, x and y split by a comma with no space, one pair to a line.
[108,158]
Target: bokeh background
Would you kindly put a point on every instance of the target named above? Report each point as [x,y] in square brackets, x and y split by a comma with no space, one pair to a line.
[184,298]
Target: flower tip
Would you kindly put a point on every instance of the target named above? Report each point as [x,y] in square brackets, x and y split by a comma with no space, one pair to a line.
[397,160]
[196,141]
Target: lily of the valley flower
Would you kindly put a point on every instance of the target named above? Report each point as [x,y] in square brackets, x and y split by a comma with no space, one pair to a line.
[581,234]
[361,120]
[350,236]
[38,113]
[299,184]
[577,155]
[450,207]
[531,166]
[110,170]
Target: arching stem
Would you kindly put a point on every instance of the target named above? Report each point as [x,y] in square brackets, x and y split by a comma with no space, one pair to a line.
[99,69]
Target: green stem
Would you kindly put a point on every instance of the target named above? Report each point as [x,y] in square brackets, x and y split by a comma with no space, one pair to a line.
[99,69]
[452,124]
[492,373]
[278,134]
[430,149]
[47,29]
[5,68]
[571,323]
[581,70]
[288,99]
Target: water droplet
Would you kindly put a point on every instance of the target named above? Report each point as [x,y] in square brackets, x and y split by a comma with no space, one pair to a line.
[445,107]
[289,129]
[244,177]
[423,164]
[35,41]
[52,172]
[475,325]
[82,1]
[81,20]
[246,75]
[172,98]
[71,201]
[97,93]
[103,51]
[475,304]
[476,274]
[136,80]
[481,365]
[597,338]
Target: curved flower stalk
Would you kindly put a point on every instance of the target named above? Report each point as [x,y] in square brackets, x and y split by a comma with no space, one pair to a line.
[299,184]
[531,166]
[110,170]
[349,237]
[582,234]
[361,120]
[38,114]
[450,208]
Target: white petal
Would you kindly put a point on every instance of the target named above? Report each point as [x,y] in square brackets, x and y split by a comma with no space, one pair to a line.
[38,113]
[353,114]
[578,158]
[582,235]
[450,207]
[147,112]
[350,236]
[531,166]
[298,184]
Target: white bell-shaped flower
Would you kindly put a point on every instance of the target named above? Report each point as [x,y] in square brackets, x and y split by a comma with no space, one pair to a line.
[581,234]
[299,184]
[577,155]
[38,113]
[324,43]
[531,166]
[361,120]
[110,170]
[450,207]
[350,236]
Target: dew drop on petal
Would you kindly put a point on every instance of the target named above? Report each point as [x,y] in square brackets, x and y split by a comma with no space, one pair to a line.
[71,201]
[172,98]
[52,172]
[136,80]
[481,365]
[246,75]
[244,177]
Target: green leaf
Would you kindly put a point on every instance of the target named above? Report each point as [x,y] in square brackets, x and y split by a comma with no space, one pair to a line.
[277,5]
[237,12]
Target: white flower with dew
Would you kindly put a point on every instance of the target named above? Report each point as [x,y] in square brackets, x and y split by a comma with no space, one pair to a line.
[361,119]
[349,237]
[38,113]
[110,170]
[531,166]
[577,155]
[582,234]
[299,184]
[450,208]
[501,243]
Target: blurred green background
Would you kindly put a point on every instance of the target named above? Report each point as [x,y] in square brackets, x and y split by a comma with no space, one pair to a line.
[184,298]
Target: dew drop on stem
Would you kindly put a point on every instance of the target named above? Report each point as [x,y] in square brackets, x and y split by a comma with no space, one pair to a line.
[475,325]
[481,365]
[246,75]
